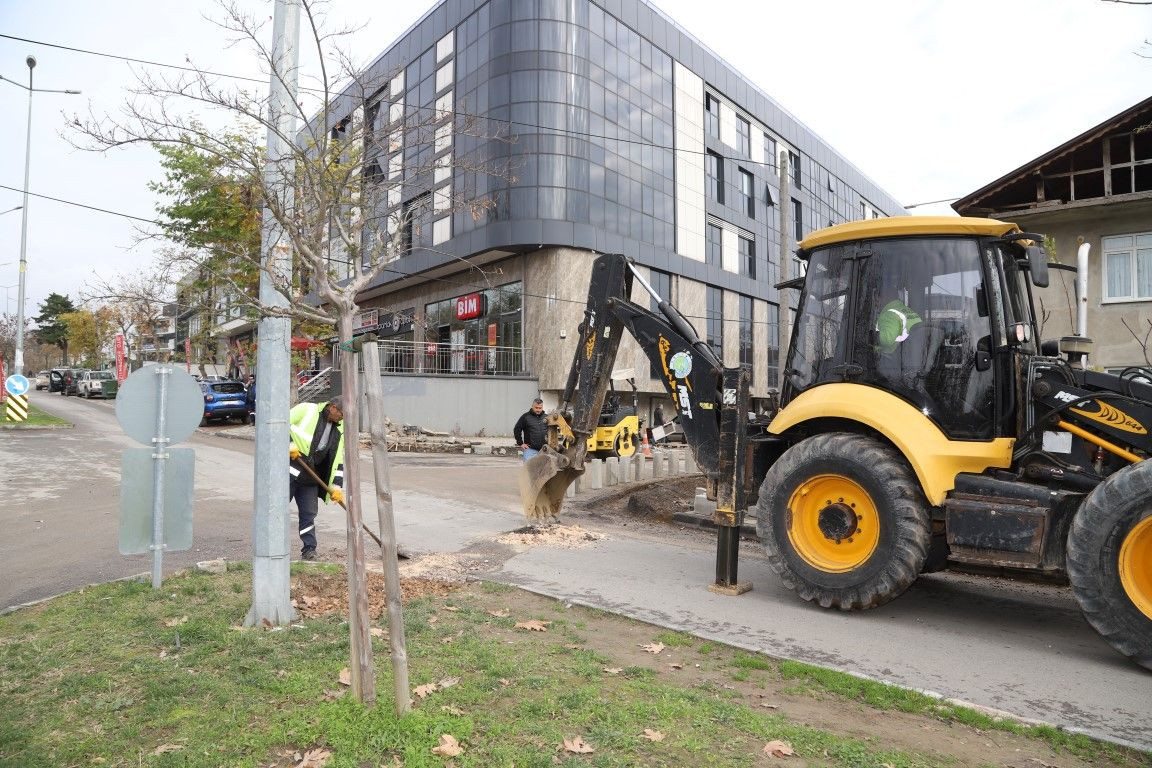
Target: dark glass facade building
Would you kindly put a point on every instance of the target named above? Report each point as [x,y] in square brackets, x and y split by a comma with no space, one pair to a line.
[620,133]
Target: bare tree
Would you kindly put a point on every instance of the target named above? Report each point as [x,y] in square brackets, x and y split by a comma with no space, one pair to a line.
[371,178]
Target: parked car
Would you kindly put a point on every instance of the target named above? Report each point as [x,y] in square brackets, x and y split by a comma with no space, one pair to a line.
[97,384]
[224,400]
[41,380]
[56,379]
[72,381]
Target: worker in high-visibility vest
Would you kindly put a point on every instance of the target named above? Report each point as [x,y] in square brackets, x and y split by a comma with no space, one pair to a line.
[318,439]
[892,325]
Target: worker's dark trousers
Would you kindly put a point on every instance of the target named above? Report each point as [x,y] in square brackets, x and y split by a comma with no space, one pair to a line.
[306,497]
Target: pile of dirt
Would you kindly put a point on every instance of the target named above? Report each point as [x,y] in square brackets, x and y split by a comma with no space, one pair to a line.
[325,594]
[550,535]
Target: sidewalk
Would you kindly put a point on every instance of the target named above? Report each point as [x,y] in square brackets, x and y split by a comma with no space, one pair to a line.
[497,446]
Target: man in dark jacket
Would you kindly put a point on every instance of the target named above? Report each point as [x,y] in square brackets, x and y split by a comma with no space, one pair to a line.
[531,430]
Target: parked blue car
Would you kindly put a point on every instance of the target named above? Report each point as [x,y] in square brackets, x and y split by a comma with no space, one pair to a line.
[224,400]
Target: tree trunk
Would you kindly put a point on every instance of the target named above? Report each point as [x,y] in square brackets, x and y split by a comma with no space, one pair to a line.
[363,673]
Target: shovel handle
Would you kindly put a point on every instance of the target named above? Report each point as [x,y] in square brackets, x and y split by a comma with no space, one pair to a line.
[312,473]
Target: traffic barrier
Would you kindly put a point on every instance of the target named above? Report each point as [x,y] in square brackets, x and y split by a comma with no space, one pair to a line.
[16,408]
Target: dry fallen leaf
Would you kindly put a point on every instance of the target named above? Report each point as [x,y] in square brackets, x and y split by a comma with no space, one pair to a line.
[345,676]
[505,682]
[446,640]
[449,747]
[315,758]
[653,647]
[378,632]
[578,746]
[778,748]
[652,735]
[452,608]
[448,682]
[331,695]
[613,670]
[769,705]
[311,601]
[423,690]
[573,646]
[175,622]
[433,619]
[452,710]
[167,748]
[163,654]
[534,625]
[676,665]
[500,614]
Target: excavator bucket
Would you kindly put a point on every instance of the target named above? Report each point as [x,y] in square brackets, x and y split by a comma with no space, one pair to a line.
[544,480]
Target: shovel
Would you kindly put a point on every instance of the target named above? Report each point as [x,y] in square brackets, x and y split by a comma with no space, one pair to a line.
[312,474]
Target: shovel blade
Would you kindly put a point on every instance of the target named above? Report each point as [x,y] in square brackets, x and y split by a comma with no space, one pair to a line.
[544,481]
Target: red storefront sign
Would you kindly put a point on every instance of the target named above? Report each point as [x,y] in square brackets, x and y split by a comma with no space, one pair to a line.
[121,359]
[470,306]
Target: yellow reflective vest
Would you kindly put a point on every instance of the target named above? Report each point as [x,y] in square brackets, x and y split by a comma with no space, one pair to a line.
[302,421]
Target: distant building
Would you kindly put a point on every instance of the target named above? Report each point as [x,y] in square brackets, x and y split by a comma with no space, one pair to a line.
[1095,188]
[630,136]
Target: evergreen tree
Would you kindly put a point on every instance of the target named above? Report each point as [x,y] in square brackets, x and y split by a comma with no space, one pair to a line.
[51,328]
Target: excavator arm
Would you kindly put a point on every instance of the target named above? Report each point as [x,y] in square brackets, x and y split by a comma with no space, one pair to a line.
[710,401]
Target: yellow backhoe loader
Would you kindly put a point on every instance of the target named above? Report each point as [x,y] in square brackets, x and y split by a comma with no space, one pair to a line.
[921,423]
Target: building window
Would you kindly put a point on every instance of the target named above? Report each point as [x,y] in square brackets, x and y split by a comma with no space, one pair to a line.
[744,137]
[794,169]
[746,358]
[769,152]
[712,115]
[715,321]
[798,220]
[1128,267]
[714,167]
[747,257]
[747,196]
[661,282]
[713,245]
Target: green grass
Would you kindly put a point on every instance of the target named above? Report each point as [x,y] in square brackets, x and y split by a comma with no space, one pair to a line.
[108,675]
[36,418]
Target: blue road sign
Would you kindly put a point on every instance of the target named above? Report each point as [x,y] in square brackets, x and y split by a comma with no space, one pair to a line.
[16,384]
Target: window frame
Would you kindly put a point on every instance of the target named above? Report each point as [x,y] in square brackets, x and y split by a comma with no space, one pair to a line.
[711,116]
[713,160]
[744,136]
[746,248]
[747,192]
[1130,254]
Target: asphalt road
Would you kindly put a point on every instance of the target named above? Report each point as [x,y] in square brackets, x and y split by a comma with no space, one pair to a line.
[1023,649]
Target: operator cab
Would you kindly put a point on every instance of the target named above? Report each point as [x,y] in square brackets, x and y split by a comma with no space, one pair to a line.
[931,309]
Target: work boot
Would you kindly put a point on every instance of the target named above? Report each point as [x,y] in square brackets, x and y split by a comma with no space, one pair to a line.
[308,553]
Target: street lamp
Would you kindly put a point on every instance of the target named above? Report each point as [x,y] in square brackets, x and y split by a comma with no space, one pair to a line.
[31,62]
[6,288]
[10,211]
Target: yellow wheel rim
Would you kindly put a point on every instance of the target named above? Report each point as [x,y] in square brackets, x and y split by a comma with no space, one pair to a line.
[1136,566]
[626,445]
[832,523]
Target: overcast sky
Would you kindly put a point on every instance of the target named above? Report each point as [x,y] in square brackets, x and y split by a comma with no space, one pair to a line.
[929,99]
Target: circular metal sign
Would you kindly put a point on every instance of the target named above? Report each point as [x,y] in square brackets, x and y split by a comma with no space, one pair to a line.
[138,404]
[16,384]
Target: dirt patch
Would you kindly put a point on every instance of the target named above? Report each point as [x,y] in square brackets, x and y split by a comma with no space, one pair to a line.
[550,535]
[324,594]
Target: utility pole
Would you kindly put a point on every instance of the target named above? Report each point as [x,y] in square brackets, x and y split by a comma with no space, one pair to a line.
[271,550]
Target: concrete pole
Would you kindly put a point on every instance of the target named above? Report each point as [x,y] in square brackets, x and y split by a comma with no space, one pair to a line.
[18,363]
[271,551]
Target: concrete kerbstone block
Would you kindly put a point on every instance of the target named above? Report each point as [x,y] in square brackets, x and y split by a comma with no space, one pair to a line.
[595,475]
[611,471]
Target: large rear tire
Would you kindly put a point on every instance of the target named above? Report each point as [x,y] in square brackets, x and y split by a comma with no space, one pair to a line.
[1110,561]
[844,521]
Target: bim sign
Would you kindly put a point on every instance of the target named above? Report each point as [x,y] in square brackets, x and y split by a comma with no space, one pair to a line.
[470,306]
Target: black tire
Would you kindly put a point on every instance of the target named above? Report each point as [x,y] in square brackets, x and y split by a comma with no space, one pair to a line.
[880,503]
[1115,522]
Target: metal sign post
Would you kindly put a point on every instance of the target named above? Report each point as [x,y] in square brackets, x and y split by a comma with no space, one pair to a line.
[158,406]
[159,455]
